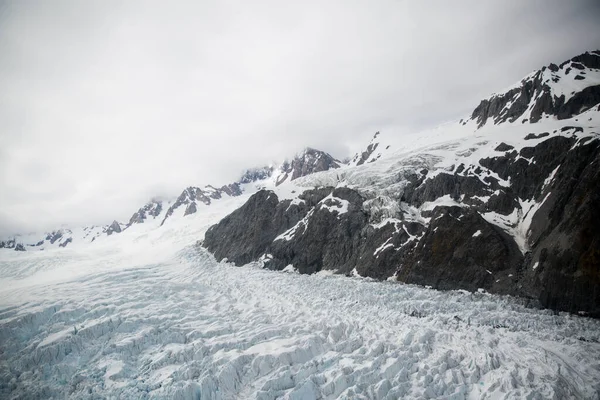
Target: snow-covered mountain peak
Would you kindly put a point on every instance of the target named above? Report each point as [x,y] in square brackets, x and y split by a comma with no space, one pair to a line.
[555,92]
[458,214]
[256,174]
[150,210]
[192,196]
[306,162]
[369,155]
[559,91]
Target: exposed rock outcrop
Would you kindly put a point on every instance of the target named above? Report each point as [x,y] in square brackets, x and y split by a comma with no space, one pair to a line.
[190,209]
[363,157]
[565,235]
[536,97]
[308,162]
[65,242]
[522,223]
[460,249]
[115,227]
[54,236]
[330,230]
[151,209]
[8,244]
[256,174]
[320,232]
[206,196]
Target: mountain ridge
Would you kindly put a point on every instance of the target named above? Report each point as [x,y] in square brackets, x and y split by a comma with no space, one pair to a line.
[304,162]
[499,201]
[492,208]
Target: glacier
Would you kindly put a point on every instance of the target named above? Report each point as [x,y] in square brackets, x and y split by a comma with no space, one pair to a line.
[156,316]
[146,312]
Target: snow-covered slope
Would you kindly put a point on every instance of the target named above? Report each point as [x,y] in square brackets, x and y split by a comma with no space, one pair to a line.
[554,91]
[145,315]
[308,162]
[489,205]
[161,210]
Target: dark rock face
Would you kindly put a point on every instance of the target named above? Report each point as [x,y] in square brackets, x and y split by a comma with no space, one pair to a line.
[8,244]
[588,59]
[504,147]
[457,247]
[206,196]
[451,253]
[256,174]
[66,242]
[462,250]
[364,156]
[249,232]
[327,239]
[511,105]
[54,236]
[444,184]
[565,236]
[233,189]
[531,136]
[152,209]
[115,227]
[309,162]
[190,209]
[328,231]
[505,107]
[19,247]
[580,102]
[528,169]
[244,235]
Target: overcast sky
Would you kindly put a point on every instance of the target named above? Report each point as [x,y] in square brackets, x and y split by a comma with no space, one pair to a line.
[104,104]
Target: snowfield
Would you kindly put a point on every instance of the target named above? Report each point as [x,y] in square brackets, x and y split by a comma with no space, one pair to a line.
[158,317]
[147,313]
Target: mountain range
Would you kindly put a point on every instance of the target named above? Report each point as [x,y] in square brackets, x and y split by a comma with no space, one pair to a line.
[505,200]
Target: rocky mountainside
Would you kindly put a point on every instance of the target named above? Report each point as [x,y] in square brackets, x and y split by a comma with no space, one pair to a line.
[561,91]
[308,162]
[506,200]
[151,209]
[191,196]
[256,174]
[158,211]
[370,154]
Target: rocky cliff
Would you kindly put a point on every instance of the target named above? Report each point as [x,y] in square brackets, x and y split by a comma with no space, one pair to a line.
[193,195]
[511,207]
[561,91]
[308,162]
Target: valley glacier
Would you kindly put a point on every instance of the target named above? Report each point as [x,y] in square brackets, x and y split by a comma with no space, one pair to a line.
[153,315]
[142,310]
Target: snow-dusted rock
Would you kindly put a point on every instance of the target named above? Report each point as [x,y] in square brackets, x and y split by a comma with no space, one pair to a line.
[531,189]
[545,93]
[115,227]
[307,162]
[151,209]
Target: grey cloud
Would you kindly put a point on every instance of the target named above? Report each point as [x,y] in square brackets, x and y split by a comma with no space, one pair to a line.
[104,103]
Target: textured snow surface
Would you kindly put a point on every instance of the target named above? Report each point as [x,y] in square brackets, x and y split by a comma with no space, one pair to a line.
[189,327]
[147,314]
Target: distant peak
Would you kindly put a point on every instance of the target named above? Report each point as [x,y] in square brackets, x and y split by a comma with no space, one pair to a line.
[256,174]
[367,155]
[306,162]
[558,91]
